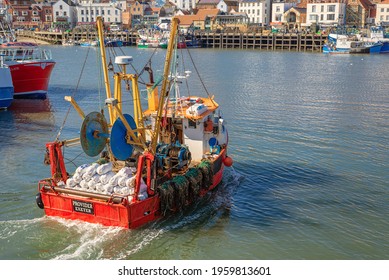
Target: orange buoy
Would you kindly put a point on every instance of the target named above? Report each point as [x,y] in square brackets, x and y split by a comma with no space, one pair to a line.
[228,161]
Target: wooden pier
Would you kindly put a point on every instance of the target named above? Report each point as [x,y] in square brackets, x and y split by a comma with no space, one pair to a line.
[218,40]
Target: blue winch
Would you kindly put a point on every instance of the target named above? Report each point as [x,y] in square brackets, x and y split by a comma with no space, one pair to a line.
[175,156]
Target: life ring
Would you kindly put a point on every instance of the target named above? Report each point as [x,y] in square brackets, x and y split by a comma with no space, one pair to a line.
[39,201]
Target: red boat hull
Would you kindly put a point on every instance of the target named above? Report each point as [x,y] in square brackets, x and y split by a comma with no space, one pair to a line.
[125,214]
[31,79]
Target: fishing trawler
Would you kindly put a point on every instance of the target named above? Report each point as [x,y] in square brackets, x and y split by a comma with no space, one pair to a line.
[152,163]
[30,65]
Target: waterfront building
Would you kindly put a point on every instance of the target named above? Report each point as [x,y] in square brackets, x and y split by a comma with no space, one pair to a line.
[204,19]
[360,13]
[279,7]
[30,14]
[326,13]
[224,6]
[258,11]
[295,18]
[88,10]
[232,22]
[382,17]
[186,5]
[65,13]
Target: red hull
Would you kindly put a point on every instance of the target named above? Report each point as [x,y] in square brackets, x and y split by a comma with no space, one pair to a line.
[31,79]
[125,214]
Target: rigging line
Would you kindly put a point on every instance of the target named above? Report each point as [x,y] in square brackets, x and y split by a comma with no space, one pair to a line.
[100,85]
[72,160]
[73,95]
[183,66]
[201,80]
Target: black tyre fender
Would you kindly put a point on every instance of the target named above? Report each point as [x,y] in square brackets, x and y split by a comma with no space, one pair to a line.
[39,201]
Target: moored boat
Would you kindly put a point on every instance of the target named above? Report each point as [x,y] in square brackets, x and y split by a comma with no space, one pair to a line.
[6,86]
[30,68]
[157,161]
[152,38]
[344,45]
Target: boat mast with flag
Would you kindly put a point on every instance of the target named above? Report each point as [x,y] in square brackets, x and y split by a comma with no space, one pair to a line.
[153,162]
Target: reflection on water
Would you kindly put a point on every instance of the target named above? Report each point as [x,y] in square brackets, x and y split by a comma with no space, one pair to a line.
[309,137]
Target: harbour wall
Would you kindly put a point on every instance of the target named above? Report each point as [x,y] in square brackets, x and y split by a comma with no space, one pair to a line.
[220,40]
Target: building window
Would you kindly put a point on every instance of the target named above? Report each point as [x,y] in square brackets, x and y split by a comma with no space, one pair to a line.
[91,12]
[109,12]
[278,9]
[34,13]
[47,11]
[321,17]
[102,12]
[57,13]
[82,12]
[60,7]
[313,9]
[331,17]
[322,8]
[24,13]
[97,12]
[48,18]
[331,9]
[64,13]
[382,10]
[82,19]
[116,12]
[15,13]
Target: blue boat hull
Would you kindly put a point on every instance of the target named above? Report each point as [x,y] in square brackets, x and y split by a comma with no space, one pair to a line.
[385,47]
[6,97]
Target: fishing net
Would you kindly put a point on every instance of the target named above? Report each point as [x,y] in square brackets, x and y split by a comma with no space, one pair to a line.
[166,196]
[206,169]
[195,178]
[181,190]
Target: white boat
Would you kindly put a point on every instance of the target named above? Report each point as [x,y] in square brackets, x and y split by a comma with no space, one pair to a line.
[6,86]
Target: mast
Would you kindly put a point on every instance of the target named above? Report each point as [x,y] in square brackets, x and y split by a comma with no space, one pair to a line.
[105,68]
[164,91]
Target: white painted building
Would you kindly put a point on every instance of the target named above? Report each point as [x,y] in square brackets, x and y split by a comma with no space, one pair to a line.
[88,11]
[326,12]
[382,14]
[222,6]
[186,5]
[279,7]
[258,11]
[65,11]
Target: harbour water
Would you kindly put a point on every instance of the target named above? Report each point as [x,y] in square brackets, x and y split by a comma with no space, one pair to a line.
[309,135]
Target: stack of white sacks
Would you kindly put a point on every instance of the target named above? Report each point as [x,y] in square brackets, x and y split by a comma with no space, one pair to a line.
[101,179]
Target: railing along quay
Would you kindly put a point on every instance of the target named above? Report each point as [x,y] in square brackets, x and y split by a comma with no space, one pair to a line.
[301,42]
